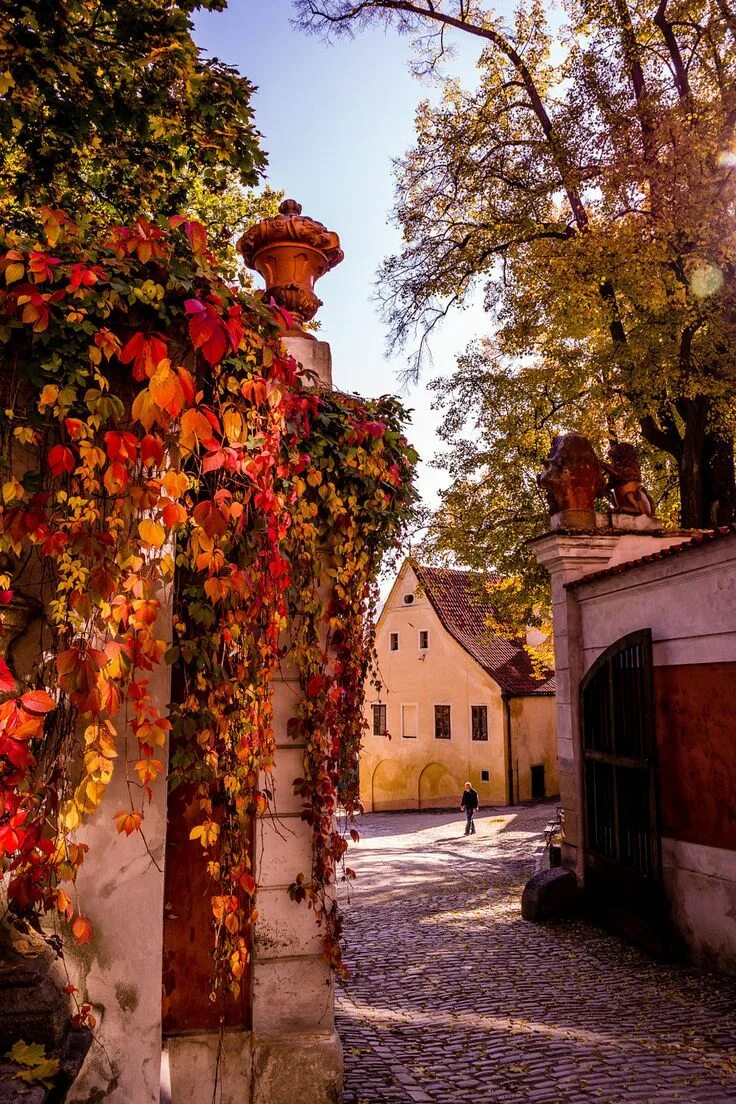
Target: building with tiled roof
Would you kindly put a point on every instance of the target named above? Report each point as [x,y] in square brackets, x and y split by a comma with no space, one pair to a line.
[465,610]
[457,701]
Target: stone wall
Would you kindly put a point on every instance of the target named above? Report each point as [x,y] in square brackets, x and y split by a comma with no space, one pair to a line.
[688,600]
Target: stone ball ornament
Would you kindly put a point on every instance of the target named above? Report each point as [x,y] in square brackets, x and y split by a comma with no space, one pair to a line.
[291,252]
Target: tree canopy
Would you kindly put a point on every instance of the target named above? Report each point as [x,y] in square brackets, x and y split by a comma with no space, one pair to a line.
[111,105]
[588,181]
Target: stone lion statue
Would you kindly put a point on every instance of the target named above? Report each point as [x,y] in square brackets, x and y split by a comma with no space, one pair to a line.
[624,486]
[572,478]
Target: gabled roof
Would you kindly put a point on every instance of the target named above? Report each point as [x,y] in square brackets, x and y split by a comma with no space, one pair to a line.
[698,540]
[460,605]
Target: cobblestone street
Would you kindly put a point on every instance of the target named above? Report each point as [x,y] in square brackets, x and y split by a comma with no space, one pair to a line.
[453,997]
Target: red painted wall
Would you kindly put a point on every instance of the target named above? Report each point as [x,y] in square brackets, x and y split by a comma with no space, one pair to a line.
[696,741]
[188,931]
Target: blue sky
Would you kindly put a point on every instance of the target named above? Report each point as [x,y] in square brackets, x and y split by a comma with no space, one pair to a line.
[332,118]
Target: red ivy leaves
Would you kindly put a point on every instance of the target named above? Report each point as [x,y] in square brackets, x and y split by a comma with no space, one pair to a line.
[232,461]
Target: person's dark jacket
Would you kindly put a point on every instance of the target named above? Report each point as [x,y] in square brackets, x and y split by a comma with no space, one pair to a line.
[470,799]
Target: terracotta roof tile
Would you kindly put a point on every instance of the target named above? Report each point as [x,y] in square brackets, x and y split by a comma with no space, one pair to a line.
[696,541]
[455,597]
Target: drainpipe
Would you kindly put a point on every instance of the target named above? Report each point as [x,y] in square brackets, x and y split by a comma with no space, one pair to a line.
[506,699]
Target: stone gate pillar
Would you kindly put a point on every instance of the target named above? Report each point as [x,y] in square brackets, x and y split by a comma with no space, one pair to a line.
[296,1054]
[291,1052]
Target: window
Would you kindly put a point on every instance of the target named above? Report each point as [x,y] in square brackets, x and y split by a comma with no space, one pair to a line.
[424,640]
[408,599]
[380,723]
[409,721]
[485,776]
[442,722]
[394,642]
[479,722]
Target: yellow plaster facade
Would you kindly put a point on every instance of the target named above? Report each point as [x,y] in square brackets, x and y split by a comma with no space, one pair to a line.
[414,769]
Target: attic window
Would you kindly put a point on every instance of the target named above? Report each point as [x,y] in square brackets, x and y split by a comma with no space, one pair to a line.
[423,640]
[408,599]
[394,642]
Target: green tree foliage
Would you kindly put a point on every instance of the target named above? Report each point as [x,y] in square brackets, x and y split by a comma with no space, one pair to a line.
[588,180]
[108,105]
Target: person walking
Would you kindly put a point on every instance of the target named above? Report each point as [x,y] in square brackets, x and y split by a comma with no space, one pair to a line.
[470,804]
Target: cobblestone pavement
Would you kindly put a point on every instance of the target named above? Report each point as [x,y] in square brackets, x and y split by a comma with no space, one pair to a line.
[454,998]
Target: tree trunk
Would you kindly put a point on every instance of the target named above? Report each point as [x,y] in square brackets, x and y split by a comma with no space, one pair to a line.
[690,464]
[719,480]
[706,472]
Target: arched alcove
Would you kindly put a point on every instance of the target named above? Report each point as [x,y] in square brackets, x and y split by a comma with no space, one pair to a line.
[390,786]
[438,788]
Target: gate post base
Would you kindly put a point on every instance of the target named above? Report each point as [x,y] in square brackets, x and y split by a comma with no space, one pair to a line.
[300,1069]
[193,1066]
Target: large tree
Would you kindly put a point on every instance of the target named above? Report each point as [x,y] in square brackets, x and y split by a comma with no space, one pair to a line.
[589,180]
[107,106]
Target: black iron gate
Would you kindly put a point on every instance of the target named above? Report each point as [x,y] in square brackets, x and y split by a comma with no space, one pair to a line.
[622,842]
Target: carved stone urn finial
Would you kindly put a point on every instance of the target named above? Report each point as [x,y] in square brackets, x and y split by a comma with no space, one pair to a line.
[291,252]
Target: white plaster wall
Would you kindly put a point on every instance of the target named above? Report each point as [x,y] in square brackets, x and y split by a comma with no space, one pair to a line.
[121,891]
[701,887]
[688,601]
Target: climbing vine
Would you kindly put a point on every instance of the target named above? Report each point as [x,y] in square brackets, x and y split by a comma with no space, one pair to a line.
[157,439]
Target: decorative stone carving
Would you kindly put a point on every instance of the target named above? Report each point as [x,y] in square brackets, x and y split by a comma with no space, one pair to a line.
[291,252]
[572,480]
[624,486]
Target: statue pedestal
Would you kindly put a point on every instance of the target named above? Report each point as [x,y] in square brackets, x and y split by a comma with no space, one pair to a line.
[633,523]
[574,519]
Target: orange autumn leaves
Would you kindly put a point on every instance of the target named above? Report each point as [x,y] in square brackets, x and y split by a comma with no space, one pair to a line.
[176,435]
[119,482]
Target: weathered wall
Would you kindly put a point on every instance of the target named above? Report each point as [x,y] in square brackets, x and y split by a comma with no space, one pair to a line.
[403,773]
[292,1051]
[121,890]
[697,752]
[689,603]
[569,557]
[533,741]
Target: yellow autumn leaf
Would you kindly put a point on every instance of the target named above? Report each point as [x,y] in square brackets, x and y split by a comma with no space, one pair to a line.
[232,424]
[14,272]
[175,483]
[69,816]
[151,532]
[48,396]
[145,409]
[11,490]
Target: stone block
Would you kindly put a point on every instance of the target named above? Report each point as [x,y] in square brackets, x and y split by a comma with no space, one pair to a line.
[284,927]
[289,766]
[550,895]
[314,356]
[286,697]
[283,850]
[192,1062]
[293,995]
[298,1071]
